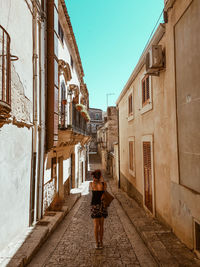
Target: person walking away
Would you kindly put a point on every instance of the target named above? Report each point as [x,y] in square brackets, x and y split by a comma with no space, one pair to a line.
[98,210]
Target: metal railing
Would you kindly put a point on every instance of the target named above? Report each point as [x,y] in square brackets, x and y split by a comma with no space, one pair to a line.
[79,124]
[5,70]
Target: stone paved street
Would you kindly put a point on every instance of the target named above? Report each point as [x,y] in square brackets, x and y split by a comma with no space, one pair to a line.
[131,236]
[72,244]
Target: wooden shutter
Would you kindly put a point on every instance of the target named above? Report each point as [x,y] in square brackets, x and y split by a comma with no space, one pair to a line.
[131,155]
[130,106]
[147,175]
[145,90]
[52,75]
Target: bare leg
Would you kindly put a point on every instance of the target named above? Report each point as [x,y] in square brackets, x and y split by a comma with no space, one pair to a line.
[101,231]
[96,229]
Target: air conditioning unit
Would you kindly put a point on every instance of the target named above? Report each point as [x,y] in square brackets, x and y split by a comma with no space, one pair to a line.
[154,59]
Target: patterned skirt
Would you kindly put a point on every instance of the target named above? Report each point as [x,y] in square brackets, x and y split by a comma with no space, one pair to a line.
[98,211]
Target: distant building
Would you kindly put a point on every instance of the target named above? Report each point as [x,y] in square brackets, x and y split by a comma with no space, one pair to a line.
[107,136]
[96,120]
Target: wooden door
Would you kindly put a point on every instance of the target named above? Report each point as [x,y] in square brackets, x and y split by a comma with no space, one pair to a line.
[147,176]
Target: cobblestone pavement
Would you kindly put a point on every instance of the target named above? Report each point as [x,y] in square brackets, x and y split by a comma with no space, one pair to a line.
[73,244]
[131,236]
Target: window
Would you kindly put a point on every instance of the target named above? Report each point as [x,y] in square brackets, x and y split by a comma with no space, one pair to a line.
[97,116]
[60,32]
[5,72]
[197,237]
[131,156]
[130,105]
[71,62]
[145,91]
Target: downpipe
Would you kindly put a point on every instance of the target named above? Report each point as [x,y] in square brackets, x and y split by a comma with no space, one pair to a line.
[34,134]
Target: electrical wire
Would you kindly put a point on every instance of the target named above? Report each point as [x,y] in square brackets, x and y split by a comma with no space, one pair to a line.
[152,31]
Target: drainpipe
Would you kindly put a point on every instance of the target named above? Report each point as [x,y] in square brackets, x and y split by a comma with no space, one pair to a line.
[118,147]
[34,134]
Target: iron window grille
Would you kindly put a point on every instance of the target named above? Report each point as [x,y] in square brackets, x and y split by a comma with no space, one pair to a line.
[5,71]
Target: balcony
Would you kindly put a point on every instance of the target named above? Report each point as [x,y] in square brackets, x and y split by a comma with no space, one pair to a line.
[72,126]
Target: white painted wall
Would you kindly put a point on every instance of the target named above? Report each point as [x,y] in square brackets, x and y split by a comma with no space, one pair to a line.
[66,169]
[15,169]
[15,142]
[16,15]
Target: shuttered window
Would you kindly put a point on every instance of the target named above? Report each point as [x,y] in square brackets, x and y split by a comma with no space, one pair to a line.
[60,32]
[130,104]
[131,155]
[147,175]
[5,72]
[145,90]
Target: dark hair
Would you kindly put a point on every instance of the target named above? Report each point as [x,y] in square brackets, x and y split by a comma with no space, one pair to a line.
[96,174]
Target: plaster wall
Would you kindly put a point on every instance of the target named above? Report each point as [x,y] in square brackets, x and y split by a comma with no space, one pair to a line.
[157,122]
[66,169]
[16,136]
[116,164]
[174,204]
[15,170]
[182,34]
[64,54]
[14,15]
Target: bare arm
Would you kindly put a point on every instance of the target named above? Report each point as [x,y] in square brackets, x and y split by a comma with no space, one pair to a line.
[90,186]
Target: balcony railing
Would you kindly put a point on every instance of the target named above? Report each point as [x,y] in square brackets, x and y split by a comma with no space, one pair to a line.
[5,72]
[79,124]
[70,117]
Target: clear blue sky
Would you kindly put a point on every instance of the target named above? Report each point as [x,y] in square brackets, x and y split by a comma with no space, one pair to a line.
[111,35]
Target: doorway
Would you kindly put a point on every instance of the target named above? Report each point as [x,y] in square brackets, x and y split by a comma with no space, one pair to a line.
[147,170]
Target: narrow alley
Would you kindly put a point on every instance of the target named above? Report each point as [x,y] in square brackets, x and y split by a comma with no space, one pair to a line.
[89,91]
[73,244]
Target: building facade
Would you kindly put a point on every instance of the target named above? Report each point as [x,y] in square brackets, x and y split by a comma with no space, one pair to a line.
[22,116]
[67,98]
[159,140]
[96,120]
[43,113]
[107,136]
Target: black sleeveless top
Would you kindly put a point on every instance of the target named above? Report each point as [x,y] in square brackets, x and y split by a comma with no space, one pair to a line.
[96,196]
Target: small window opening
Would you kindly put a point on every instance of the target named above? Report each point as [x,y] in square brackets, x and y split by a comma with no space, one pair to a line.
[60,32]
[72,63]
[197,236]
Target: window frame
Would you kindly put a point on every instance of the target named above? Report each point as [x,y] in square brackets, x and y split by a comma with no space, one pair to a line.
[130,112]
[131,171]
[146,95]
[60,32]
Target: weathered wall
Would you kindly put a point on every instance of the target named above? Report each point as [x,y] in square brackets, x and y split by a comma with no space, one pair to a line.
[116,164]
[174,204]
[183,33]
[15,169]
[16,142]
